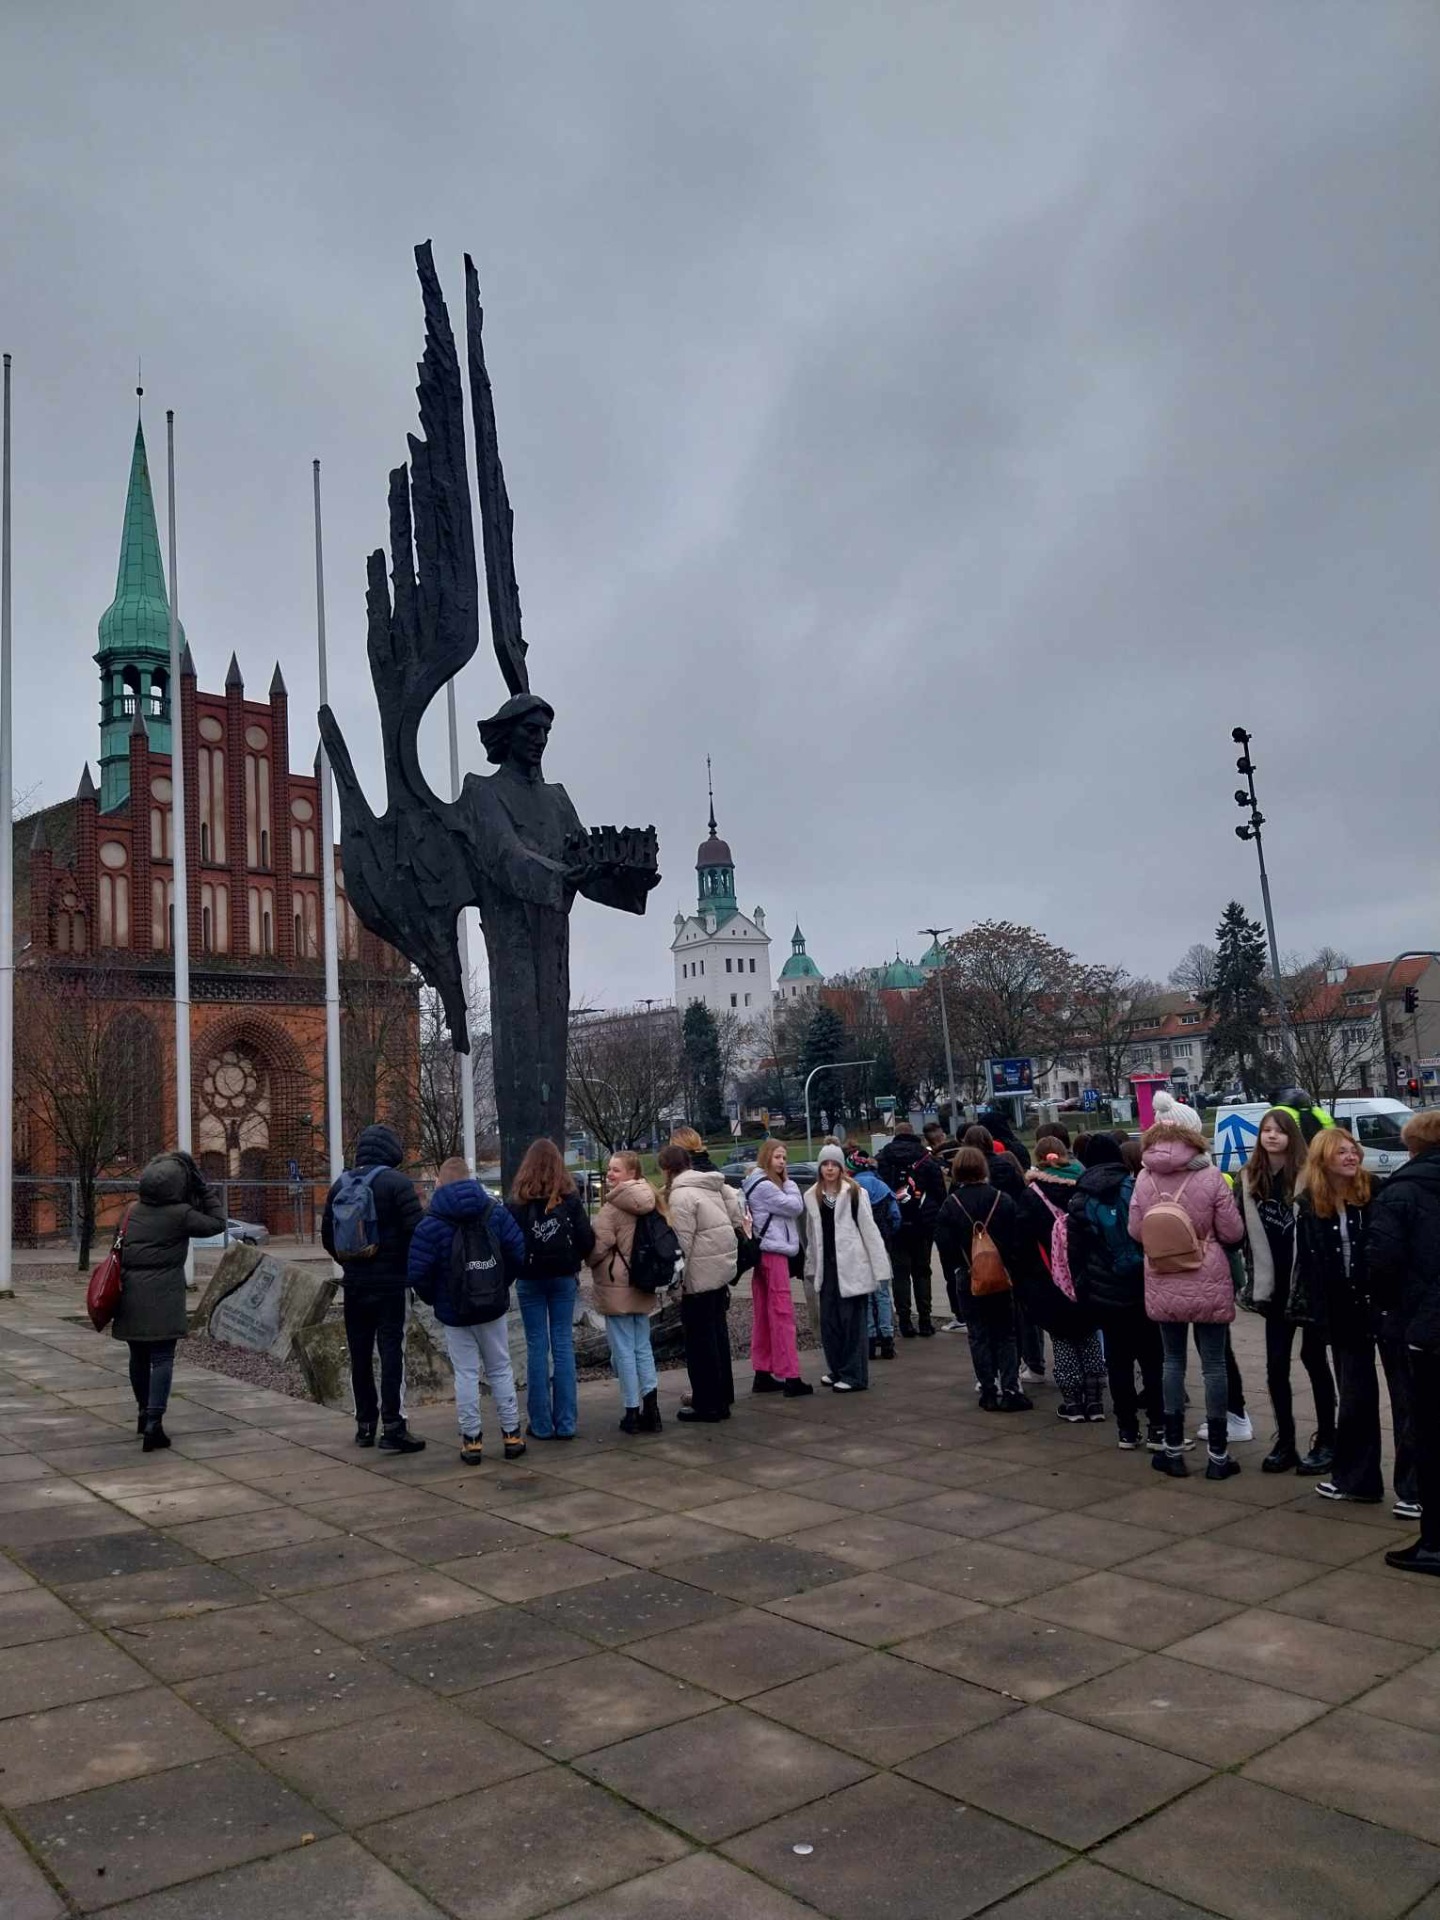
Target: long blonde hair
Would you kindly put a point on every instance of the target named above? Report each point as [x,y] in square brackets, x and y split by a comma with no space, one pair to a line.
[1328,1193]
[765,1159]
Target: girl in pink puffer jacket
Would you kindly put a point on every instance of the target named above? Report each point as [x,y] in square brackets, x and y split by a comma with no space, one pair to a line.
[1178,1170]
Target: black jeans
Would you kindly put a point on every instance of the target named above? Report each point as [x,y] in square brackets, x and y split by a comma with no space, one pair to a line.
[1132,1340]
[994,1351]
[152,1366]
[376,1319]
[1032,1340]
[1357,1430]
[910,1261]
[707,1350]
[1425,1433]
[1315,1358]
[845,1334]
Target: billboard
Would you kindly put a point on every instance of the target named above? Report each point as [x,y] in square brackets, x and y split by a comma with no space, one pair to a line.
[1011,1076]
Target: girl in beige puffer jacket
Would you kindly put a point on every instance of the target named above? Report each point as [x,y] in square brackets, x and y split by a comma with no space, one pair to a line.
[706,1215]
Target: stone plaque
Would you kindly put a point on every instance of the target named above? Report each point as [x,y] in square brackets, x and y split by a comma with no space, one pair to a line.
[267,1303]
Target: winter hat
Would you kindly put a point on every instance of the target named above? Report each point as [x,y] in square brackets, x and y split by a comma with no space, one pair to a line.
[1170,1112]
[830,1152]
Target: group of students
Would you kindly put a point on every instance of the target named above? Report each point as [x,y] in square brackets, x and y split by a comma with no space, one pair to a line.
[1120,1249]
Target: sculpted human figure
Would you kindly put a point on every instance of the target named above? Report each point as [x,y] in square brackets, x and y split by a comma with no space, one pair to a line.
[512,844]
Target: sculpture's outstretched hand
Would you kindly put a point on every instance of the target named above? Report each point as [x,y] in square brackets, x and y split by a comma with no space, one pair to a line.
[614,866]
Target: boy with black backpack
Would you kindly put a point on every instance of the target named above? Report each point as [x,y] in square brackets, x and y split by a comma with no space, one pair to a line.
[370,1214]
[1108,1271]
[462,1259]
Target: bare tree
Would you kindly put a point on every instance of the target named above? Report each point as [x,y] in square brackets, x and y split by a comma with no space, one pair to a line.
[1113,1009]
[624,1070]
[88,1076]
[379,1049]
[439,1106]
[1194,971]
[1331,1039]
[1011,993]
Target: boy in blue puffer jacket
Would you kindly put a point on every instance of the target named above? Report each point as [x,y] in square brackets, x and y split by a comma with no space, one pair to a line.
[465,1252]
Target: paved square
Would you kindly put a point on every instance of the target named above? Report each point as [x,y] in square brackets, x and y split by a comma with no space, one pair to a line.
[876,1659]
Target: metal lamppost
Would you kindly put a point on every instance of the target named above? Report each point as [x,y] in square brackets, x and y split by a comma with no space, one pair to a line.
[936,934]
[830,1066]
[1245,797]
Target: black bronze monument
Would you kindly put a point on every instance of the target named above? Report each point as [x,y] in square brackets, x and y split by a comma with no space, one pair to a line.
[512,844]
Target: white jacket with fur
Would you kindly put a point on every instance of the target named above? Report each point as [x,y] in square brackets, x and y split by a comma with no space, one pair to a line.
[861,1262]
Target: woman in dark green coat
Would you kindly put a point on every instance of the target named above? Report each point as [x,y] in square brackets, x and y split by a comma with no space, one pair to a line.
[174,1208]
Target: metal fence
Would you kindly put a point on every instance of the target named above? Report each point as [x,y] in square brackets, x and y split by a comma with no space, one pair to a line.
[47,1210]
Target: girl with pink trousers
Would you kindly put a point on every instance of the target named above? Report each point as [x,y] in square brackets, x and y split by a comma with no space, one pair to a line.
[775,1204]
[1184,1216]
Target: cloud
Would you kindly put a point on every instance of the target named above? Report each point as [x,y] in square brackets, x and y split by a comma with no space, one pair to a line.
[953,419]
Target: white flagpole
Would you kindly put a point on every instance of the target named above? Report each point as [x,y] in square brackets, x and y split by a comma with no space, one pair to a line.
[333,1118]
[7,880]
[467,1060]
[183,1125]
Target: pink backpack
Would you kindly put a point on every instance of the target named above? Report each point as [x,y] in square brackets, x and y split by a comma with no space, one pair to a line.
[1059,1261]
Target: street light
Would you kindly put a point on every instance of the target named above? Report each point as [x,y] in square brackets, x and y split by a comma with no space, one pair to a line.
[1245,797]
[936,934]
[830,1066]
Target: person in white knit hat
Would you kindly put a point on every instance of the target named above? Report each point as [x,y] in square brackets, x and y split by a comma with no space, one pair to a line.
[1184,1216]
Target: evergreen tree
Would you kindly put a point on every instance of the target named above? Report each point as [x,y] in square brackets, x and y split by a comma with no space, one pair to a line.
[824,1040]
[1237,1000]
[700,1045]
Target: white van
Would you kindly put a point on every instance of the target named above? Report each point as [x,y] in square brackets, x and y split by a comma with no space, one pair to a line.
[1375,1123]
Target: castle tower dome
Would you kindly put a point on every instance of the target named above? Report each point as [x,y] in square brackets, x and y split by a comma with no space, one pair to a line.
[134,632]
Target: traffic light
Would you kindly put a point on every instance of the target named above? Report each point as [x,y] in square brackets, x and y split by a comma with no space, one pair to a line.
[1412,1087]
[1412,999]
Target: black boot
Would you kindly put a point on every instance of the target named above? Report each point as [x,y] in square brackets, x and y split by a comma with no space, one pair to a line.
[1282,1457]
[887,1346]
[797,1388]
[631,1422]
[927,1327]
[766,1383]
[1417,1558]
[1320,1458]
[906,1325]
[156,1438]
[400,1440]
[650,1413]
[365,1433]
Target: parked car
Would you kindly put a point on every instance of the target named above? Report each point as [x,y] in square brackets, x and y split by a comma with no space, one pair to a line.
[249,1232]
[1375,1123]
[803,1172]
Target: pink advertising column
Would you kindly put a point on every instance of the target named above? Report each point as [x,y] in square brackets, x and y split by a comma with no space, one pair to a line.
[1146,1086]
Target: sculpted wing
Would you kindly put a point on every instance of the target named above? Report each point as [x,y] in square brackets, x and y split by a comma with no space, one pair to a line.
[405,871]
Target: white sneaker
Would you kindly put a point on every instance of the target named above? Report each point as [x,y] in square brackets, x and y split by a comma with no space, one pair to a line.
[1238,1426]
[843,1386]
[1406,1510]
[953,1326]
[1029,1378]
[826,1381]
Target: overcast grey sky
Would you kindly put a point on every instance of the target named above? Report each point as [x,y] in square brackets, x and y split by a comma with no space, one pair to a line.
[954,418]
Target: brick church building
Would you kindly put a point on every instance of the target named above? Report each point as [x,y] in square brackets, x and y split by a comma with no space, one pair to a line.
[95,909]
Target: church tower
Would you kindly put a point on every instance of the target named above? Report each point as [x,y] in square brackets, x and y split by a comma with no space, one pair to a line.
[134,655]
[722,956]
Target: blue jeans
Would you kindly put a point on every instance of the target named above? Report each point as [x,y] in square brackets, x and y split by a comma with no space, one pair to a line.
[547,1308]
[630,1355]
[882,1313]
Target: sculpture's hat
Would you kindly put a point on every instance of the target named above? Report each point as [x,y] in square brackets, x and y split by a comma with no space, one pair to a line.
[495,732]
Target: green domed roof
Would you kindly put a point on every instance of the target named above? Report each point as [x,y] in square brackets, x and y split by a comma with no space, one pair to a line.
[137,621]
[799,967]
[932,958]
[900,976]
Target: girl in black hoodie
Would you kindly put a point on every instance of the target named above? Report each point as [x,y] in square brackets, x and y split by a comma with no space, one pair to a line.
[989,1318]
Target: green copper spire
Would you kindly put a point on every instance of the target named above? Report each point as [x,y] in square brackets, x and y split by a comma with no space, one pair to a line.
[134,655]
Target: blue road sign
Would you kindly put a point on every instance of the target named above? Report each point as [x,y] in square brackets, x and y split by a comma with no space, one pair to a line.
[1235,1135]
[1090,1099]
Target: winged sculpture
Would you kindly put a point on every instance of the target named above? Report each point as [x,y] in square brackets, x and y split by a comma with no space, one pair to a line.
[511,844]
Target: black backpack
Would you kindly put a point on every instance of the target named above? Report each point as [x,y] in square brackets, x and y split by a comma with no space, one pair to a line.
[551,1235]
[479,1286]
[655,1257]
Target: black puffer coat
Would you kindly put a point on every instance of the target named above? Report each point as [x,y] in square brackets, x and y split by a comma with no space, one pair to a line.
[972,1205]
[1322,1294]
[174,1208]
[907,1153]
[1404,1251]
[397,1214]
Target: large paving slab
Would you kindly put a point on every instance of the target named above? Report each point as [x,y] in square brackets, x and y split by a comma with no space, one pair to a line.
[874,1657]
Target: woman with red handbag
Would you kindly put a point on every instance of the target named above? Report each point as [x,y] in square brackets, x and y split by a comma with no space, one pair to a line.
[174,1208]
